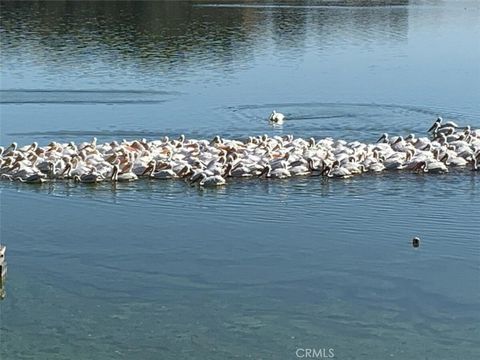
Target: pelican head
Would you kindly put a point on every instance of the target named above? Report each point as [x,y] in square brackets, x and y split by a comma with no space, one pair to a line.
[13,146]
[443,139]
[266,171]
[196,176]
[436,124]
[326,171]
[216,140]
[276,117]
[272,115]
[33,147]
[383,138]
[410,138]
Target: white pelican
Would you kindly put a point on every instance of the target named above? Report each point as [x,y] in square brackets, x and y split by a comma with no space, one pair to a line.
[279,173]
[336,172]
[299,170]
[10,149]
[420,166]
[436,167]
[162,174]
[122,176]
[240,170]
[372,163]
[454,161]
[351,165]
[386,140]
[439,124]
[27,148]
[448,124]
[419,143]
[396,161]
[90,178]
[32,179]
[276,117]
[210,181]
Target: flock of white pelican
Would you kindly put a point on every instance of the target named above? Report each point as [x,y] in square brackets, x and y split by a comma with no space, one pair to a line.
[213,162]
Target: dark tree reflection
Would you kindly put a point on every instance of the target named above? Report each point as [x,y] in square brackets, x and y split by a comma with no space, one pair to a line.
[166,35]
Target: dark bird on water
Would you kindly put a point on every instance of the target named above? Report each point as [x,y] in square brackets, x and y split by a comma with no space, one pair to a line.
[416,242]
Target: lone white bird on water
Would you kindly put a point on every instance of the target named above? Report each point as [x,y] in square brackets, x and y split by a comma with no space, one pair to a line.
[276,117]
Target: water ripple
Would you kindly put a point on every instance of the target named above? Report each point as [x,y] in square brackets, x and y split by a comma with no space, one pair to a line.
[69,96]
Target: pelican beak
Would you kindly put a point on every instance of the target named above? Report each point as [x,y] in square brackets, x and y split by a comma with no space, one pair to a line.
[147,169]
[68,167]
[381,138]
[435,124]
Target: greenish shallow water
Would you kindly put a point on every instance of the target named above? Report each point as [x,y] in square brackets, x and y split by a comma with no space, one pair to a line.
[258,269]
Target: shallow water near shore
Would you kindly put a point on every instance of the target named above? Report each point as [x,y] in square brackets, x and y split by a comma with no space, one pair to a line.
[257,269]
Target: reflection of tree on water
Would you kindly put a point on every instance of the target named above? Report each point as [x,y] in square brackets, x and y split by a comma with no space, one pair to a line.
[169,34]
[145,32]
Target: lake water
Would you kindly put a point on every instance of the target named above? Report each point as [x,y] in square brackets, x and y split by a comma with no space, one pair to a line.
[257,269]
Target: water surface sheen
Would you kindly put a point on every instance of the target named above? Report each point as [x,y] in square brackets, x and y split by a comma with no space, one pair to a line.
[259,268]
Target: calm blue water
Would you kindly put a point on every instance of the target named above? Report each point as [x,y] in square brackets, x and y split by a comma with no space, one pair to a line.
[258,269]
